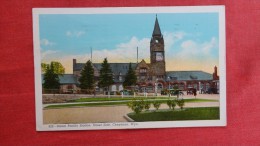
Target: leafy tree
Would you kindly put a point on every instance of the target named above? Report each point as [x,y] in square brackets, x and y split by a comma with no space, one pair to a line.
[51,79]
[57,67]
[130,78]
[87,77]
[44,67]
[106,75]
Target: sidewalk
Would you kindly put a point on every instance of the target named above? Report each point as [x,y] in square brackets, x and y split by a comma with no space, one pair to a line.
[200,96]
[105,113]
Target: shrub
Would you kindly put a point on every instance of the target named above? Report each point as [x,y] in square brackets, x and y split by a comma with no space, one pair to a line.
[130,104]
[156,104]
[147,105]
[180,103]
[136,105]
[171,104]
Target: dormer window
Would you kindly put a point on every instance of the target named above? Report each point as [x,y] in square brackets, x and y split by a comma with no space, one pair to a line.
[143,70]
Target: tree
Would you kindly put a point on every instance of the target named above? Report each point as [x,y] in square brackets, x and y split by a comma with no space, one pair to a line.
[44,67]
[51,79]
[87,77]
[130,78]
[106,75]
[57,67]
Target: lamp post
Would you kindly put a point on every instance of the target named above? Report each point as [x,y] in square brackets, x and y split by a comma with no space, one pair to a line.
[95,92]
[156,84]
[168,79]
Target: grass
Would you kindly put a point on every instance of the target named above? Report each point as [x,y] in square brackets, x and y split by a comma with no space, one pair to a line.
[97,99]
[202,113]
[111,99]
[117,102]
[85,104]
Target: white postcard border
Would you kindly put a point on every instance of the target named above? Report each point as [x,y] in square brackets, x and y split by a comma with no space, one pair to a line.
[129,125]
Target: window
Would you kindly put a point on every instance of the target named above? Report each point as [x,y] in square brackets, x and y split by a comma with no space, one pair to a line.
[143,70]
[69,87]
[159,56]
[181,86]
[160,86]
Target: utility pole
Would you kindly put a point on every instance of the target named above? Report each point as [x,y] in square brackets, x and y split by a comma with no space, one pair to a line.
[137,54]
[91,53]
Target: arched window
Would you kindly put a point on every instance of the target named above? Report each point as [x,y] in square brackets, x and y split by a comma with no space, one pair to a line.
[160,86]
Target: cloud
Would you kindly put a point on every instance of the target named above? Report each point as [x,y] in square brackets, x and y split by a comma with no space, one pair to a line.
[193,55]
[172,37]
[46,42]
[122,53]
[127,52]
[74,33]
[183,59]
[47,53]
[193,49]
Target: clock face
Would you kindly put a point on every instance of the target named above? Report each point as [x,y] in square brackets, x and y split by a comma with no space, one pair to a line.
[159,56]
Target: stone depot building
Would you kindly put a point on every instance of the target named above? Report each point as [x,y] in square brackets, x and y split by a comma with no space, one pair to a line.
[151,77]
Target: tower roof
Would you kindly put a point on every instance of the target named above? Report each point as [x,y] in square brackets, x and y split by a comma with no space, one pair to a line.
[157,30]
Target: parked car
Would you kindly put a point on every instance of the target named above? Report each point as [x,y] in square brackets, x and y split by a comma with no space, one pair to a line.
[176,91]
[212,91]
[127,92]
[191,91]
[164,92]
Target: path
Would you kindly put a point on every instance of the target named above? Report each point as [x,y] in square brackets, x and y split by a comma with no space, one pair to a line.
[100,113]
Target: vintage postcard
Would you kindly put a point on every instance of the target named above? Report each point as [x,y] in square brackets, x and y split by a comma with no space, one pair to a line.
[129,67]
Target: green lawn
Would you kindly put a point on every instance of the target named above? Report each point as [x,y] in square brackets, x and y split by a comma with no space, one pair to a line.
[85,104]
[112,99]
[202,113]
[117,102]
[97,99]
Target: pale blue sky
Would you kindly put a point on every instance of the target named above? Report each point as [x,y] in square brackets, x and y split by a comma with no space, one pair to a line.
[189,37]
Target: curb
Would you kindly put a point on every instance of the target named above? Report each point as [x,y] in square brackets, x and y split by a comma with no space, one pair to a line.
[128,118]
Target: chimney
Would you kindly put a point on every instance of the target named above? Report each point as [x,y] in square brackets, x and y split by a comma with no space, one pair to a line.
[215,74]
[215,70]
[74,64]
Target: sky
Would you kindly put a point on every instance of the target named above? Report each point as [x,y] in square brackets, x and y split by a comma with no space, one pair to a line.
[191,39]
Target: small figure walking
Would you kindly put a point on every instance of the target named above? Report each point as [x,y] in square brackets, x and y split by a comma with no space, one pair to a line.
[195,92]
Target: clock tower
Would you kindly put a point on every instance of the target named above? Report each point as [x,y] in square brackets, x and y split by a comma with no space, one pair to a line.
[157,56]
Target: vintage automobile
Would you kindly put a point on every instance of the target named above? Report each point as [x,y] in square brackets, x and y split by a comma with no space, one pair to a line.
[176,92]
[191,91]
[127,92]
[212,91]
